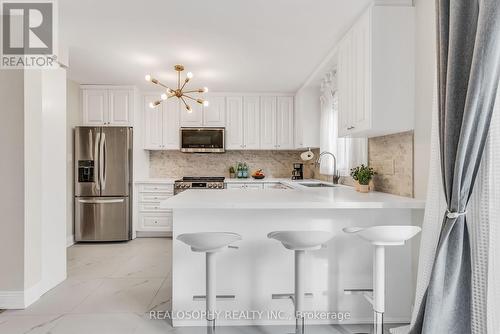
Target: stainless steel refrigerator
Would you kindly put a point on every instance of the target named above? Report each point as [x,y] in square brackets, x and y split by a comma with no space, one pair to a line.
[103,181]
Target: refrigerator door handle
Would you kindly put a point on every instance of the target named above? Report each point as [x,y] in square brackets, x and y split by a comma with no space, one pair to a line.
[97,159]
[101,201]
[102,161]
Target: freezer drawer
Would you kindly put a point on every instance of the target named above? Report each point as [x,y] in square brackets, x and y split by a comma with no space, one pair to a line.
[102,219]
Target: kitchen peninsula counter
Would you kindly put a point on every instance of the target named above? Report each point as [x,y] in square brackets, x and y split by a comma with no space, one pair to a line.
[262,267]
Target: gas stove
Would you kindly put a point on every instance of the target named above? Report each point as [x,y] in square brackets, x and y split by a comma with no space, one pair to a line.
[198,182]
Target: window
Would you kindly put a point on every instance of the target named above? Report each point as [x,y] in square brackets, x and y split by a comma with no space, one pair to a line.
[349,152]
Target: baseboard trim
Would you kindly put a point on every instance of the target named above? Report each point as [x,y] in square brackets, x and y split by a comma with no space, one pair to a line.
[153,234]
[20,299]
[70,240]
[12,300]
[15,300]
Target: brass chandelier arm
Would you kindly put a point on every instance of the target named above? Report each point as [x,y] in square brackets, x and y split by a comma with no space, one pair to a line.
[184,84]
[160,84]
[189,97]
[187,107]
[200,101]
[194,91]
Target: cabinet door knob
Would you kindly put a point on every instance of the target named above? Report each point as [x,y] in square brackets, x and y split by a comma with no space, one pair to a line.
[350,128]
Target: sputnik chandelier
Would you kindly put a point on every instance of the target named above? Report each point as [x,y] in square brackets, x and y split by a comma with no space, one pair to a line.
[180,93]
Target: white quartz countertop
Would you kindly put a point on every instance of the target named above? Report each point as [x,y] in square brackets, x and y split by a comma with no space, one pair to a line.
[155,180]
[298,197]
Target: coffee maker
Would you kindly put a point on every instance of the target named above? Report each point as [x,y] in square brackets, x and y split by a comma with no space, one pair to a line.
[298,171]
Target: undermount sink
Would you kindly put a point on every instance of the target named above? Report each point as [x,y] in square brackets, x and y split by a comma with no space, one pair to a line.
[317,185]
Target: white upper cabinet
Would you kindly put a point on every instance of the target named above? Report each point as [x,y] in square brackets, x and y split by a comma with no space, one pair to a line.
[120,107]
[171,124]
[251,122]
[276,123]
[284,121]
[153,127]
[307,117]
[107,105]
[95,106]
[376,73]
[268,122]
[215,114]
[212,116]
[161,124]
[193,118]
[234,123]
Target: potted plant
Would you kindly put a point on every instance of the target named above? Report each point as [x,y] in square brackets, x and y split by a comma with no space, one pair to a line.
[232,172]
[354,175]
[364,176]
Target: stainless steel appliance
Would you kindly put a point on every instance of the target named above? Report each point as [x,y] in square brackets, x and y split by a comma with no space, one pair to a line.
[202,182]
[103,179]
[202,140]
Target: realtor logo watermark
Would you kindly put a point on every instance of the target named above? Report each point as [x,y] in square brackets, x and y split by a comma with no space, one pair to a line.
[28,34]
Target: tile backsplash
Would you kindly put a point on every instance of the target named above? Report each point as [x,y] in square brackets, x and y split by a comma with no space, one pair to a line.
[176,164]
[391,157]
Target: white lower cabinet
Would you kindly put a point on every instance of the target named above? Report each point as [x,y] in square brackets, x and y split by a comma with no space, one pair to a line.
[151,217]
[276,186]
[155,221]
[243,186]
[263,185]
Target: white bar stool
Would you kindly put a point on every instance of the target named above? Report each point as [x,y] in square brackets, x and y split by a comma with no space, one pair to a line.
[380,237]
[210,243]
[299,242]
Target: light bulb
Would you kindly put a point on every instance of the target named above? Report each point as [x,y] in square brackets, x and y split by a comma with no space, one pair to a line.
[205,89]
[206,103]
[151,105]
[148,77]
[164,96]
[189,110]
[189,75]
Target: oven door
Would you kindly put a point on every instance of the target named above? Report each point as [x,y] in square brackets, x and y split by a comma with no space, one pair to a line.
[202,140]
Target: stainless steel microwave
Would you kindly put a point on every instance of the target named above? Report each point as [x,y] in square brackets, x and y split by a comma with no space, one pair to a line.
[202,140]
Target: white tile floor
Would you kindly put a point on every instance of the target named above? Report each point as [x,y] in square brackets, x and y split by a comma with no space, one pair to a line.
[111,288]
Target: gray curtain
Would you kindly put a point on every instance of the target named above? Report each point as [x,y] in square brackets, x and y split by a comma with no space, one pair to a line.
[468,60]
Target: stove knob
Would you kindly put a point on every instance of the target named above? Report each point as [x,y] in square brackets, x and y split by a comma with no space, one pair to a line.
[210,185]
[220,186]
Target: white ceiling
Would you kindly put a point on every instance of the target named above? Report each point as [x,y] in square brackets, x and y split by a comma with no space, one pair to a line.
[229,45]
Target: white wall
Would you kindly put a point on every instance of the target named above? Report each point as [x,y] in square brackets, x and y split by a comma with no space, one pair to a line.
[12,194]
[73,118]
[54,180]
[33,177]
[33,226]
